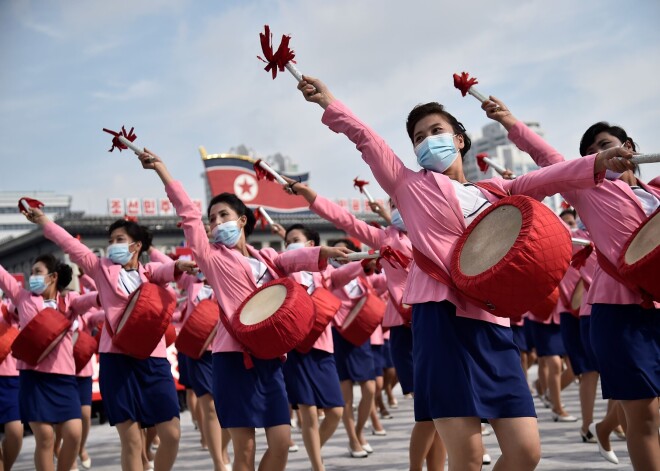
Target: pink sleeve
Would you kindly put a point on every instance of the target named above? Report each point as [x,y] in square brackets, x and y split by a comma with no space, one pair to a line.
[10,286]
[95,317]
[562,177]
[342,219]
[385,165]
[79,253]
[305,259]
[379,283]
[156,255]
[83,303]
[88,282]
[161,273]
[345,274]
[528,141]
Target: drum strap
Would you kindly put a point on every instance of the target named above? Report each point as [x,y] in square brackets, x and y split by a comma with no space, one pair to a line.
[495,190]
[609,268]
[429,267]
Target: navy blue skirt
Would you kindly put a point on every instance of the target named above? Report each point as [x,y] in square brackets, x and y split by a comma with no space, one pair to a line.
[379,360]
[84,390]
[254,398]
[570,334]
[9,411]
[183,362]
[519,337]
[141,391]
[200,373]
[311,379]
[465,367]
[547,339]
[387,354]
[353,363]
[529,337]
[48,397]
[585,336]
[401,346]
[626,341]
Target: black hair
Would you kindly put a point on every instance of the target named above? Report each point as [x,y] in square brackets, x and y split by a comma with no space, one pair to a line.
[590,134]
[568,211]
[310,234]
[53,265]
[238,206]
[135,231]
[349,244]
[421,111]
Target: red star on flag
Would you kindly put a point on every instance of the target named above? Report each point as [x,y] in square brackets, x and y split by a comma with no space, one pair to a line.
[246,187]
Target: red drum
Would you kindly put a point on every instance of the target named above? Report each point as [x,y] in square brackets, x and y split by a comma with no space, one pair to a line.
[84,347]
[512,256]
[145,320]
[326,305]
[545,308]
[8,334]
[170,335]
[363,319]
[200,328]
[40,336]
[274,319]
[639,262]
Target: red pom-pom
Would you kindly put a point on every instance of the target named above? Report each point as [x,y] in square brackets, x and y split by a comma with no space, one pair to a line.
[579,258]
[483,166]
[260,218]
[261,173]
[463,82]
[278,59]
[359,184]
[32,203]
[130,135]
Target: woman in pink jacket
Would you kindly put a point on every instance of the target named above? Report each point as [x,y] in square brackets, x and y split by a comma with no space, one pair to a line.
[10,418]
[611,212]
[48,392]
[425,444]
[257,396]
[466,364]
[136,393]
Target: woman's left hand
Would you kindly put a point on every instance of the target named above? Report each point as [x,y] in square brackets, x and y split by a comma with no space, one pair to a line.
[338,253]
[187,266]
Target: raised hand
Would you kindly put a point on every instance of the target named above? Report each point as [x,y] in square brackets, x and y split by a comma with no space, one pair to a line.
[616,159]
[497,111]
[315,91]
[35,216]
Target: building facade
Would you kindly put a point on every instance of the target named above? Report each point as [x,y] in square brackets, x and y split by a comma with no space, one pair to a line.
[14,224]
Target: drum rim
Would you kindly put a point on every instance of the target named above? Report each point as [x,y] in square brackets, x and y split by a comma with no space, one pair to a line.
[626,266]
[355,311]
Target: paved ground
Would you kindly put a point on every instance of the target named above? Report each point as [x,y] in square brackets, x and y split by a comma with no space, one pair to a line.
[561,445]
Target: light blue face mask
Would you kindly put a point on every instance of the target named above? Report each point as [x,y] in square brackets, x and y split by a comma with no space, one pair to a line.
[37,284]
[295,245]
[397,221]
[437,152]
[226,233]
[119,253]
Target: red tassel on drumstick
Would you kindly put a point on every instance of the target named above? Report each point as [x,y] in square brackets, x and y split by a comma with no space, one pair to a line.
[465,84]
[280,59]
[579,258]
[261,215]
[264,171]
[393,257]
[25,204]
[123,140]
[360,185]
[483,161]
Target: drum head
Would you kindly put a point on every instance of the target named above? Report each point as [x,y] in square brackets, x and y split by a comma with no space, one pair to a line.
[576,300]
[263,304]
[52,345]
[127,312]
[644,242]
[490,240]
[354,312]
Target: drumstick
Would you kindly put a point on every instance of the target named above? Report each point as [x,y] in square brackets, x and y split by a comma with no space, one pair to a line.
[498,168]
[130,145]
[266,216]
[275,175]
[353,256]
[25,205]
[360,185]
[646,158]
[577,241]
[465,84]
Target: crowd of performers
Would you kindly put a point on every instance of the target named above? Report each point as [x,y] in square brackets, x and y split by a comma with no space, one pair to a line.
[461,363]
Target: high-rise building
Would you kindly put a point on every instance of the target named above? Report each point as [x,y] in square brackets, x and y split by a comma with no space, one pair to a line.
[493,141]
[14,224]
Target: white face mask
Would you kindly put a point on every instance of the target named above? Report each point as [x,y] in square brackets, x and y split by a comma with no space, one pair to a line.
[296,245]
[611,174]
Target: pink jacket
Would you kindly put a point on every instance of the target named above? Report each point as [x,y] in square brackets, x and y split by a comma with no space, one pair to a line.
[88,322]
[106,275]
[227,270]
[60,359]
[8,366]
[610,211]
[429,205]
[375,238]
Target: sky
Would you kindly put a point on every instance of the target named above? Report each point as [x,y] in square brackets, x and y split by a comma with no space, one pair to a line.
[184,73]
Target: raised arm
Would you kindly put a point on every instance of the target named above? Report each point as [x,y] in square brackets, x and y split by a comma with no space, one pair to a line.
[10,286]
[385,165]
